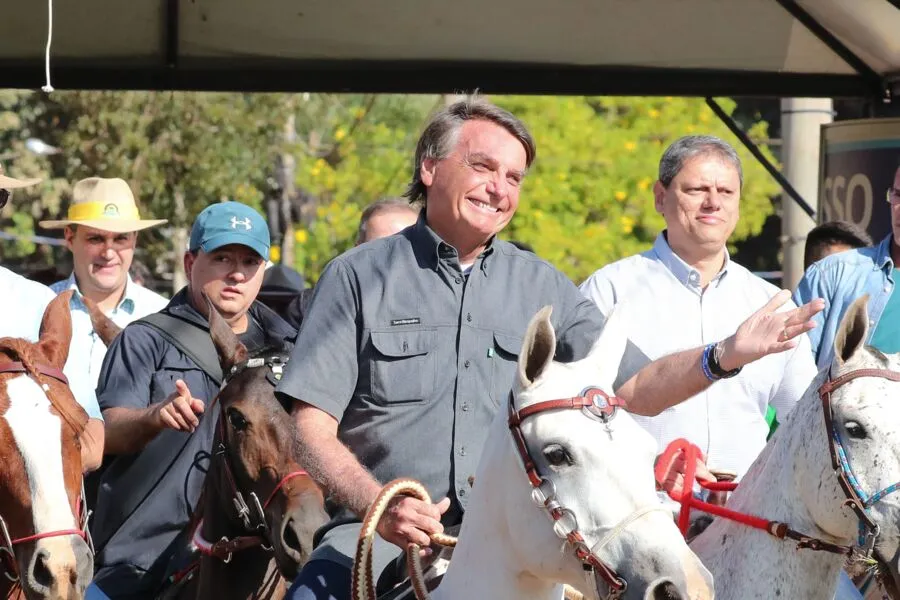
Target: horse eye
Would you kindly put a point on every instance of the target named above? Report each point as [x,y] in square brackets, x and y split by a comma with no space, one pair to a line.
[237,420]
[558,456]
[855,430]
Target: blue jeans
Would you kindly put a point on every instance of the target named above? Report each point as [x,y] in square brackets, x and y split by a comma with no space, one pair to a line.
[94,593]
[319,580]
[845,590]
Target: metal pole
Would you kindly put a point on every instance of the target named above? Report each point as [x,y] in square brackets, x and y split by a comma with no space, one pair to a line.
[801,121]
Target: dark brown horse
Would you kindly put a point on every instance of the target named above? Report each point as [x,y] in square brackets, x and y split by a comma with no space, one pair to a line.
[258,510]
[44,553]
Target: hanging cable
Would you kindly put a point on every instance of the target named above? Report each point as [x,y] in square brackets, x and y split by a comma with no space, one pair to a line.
[48,88]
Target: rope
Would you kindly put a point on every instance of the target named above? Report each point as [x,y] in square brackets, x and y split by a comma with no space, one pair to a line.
[48,87]
[362,578]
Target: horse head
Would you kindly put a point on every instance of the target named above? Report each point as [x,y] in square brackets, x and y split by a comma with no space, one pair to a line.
[42,541]
[257,437]
[865,443]
[595,471]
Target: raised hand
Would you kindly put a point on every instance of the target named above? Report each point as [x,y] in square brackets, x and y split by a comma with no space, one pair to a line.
[768,331]
[180,410]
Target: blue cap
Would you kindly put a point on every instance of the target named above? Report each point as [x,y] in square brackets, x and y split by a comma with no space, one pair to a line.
[226,223]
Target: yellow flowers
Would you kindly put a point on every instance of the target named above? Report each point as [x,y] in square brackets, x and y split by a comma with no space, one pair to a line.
[653,113]
[317,167]
[301,236]
[630,146]
[620,195]
[627,223]
[275,254]
[644,184]
[340,134]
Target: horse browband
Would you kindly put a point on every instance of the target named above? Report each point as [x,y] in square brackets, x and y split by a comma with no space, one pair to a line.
[18,367]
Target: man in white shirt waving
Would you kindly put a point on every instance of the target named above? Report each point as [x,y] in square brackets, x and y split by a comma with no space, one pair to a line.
[686,292]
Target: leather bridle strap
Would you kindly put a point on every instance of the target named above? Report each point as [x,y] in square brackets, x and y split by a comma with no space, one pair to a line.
[18,367]
[857,498]
[597,403]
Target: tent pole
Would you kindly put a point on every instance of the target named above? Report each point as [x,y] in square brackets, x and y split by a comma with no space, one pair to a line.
[758,155]
[879,86]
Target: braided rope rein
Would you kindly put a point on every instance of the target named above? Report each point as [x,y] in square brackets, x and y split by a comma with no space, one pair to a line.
[362,585]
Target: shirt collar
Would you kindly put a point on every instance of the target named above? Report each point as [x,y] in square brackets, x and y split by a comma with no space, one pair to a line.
[682,271]
[883,254]
[128,298]
[429,244]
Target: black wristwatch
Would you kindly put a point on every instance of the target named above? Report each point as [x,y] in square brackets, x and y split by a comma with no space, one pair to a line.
[713,363]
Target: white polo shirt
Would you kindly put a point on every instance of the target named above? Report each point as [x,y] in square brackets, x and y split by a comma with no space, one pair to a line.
[667,311]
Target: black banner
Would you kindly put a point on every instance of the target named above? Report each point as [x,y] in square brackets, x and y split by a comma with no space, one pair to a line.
[858,162]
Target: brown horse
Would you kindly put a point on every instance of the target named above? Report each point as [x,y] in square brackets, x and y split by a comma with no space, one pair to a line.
[44,552]
[258,510]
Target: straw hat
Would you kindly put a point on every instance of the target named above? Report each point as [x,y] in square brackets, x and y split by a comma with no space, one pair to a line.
[10,183]
[105,204]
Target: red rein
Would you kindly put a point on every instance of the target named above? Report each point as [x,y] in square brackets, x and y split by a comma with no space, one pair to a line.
[687,500]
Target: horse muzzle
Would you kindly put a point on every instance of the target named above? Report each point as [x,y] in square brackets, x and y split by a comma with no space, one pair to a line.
[59,568]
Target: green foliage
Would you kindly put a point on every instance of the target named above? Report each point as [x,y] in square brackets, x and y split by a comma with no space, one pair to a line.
[588,199]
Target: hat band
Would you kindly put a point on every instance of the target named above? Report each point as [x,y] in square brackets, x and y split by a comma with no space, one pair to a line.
[92,211]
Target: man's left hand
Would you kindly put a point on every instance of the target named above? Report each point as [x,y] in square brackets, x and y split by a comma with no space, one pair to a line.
[768,332]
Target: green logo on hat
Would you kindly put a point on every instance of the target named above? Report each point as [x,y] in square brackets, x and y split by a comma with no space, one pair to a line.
[110,210]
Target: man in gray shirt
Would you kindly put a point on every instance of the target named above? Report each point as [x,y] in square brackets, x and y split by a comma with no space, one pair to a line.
[411,341]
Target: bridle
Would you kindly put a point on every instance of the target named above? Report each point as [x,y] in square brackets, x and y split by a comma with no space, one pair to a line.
[857,498]
[597,405]
[7,542]
[253,514]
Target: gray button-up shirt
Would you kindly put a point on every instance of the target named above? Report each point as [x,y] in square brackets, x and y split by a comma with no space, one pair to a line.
[414,357]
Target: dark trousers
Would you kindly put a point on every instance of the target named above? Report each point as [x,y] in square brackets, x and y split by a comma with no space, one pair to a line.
[321,580]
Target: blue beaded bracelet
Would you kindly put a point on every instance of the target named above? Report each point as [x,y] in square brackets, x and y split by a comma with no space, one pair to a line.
[704,363]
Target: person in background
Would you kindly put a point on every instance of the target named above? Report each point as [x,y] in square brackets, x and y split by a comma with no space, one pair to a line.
[842,278]
[22,306]
[385,217]
[833,237]
[101,232]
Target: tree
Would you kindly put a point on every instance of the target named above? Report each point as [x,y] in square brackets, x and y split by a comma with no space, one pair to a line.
[588,198]
[178,151]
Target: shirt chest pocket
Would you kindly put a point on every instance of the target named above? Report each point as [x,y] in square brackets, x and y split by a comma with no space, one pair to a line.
[402,366]
[503,369]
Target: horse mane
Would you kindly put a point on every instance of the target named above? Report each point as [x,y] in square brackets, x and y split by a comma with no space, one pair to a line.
[72,413]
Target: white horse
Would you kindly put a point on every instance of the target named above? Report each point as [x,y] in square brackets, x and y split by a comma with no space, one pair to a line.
[592,466]
[793,481]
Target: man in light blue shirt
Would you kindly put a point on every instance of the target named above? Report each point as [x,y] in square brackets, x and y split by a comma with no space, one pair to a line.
[22,306]
[842,278]
[101,232]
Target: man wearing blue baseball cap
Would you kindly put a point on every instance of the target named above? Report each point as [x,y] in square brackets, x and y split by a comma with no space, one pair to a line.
[158,377]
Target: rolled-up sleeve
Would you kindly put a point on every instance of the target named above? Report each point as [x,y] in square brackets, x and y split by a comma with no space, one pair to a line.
[128,367]
[324,366]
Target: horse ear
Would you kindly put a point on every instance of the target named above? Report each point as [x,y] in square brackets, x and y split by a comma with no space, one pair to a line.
[606,353]
[56,330]
[853,331]
[229,348]
[103,325]
[538,348]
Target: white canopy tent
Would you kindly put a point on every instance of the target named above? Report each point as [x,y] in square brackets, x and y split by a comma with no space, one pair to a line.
[672,47]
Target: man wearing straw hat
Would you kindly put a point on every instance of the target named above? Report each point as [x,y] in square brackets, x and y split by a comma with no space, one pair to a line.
[22,304]
[101,232]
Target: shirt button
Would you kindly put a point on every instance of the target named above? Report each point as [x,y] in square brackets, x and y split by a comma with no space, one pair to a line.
[469,317]
[462,451]
[465,407]
[462,491]
[887,288]
[466,364]
[458,280]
